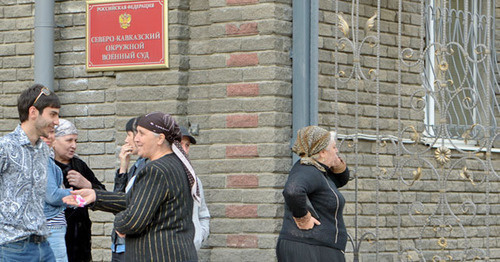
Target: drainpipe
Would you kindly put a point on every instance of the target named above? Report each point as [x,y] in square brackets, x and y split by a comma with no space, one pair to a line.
[44,43]
[305,65]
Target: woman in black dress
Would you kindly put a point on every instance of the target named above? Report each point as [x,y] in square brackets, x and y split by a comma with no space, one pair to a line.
[313,226]
[155,215]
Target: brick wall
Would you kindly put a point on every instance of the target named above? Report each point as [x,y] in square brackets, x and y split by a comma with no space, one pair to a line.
[239,94]
[230,73]
[16,61]
[100,103]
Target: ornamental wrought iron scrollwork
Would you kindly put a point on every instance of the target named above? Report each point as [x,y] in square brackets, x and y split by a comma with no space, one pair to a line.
[348,40]
[438,166]
[447,219]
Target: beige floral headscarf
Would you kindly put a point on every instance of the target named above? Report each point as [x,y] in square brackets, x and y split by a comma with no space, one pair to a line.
[310,141]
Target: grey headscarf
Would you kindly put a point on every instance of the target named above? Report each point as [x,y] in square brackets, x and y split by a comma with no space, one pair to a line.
[310,141]
[65,128]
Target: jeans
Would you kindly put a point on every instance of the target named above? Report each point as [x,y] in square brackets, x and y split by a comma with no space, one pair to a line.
[26,250]
[58,243]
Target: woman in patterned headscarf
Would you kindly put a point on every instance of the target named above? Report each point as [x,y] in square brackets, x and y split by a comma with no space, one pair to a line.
[313,226]
[156,213]
[76,175]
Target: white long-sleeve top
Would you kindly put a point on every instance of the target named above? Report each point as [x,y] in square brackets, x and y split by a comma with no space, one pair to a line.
[201,219]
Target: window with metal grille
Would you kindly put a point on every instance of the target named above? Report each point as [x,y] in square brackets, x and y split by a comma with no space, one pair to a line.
[460,69]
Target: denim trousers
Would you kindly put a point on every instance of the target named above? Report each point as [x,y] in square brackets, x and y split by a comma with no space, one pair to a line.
[58,243]
[26,251]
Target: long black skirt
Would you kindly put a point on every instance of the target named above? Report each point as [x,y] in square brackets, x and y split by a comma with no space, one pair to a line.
[292,251]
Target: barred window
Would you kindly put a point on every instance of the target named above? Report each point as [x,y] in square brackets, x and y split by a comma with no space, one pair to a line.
[460,73]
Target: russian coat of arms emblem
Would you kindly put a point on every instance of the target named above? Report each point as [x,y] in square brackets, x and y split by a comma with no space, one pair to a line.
[125,20]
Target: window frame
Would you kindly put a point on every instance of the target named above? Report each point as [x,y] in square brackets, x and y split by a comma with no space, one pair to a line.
[431,67]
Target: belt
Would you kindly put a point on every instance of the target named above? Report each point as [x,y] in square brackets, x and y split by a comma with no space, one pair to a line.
[36,239]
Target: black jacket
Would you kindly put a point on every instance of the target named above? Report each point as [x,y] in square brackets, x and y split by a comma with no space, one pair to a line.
[78,233]
[121,181]
[306,181]
[156,214]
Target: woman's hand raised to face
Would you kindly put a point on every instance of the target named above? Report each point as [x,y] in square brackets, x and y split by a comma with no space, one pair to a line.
[339,166]
[124,156]
[125,153]
[87,194]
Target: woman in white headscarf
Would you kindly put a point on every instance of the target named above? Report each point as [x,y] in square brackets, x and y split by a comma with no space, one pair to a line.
[76,175]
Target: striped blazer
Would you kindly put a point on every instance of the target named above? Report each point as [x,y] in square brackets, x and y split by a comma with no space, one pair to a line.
[155,214]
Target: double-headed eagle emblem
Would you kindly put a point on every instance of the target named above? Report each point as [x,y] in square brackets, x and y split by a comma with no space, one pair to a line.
[125,20]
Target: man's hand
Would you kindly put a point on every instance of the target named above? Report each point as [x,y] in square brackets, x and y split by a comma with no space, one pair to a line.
[77,180]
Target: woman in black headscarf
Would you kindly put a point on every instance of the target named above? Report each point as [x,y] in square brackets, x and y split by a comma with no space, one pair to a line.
[155,215]
[313,226]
